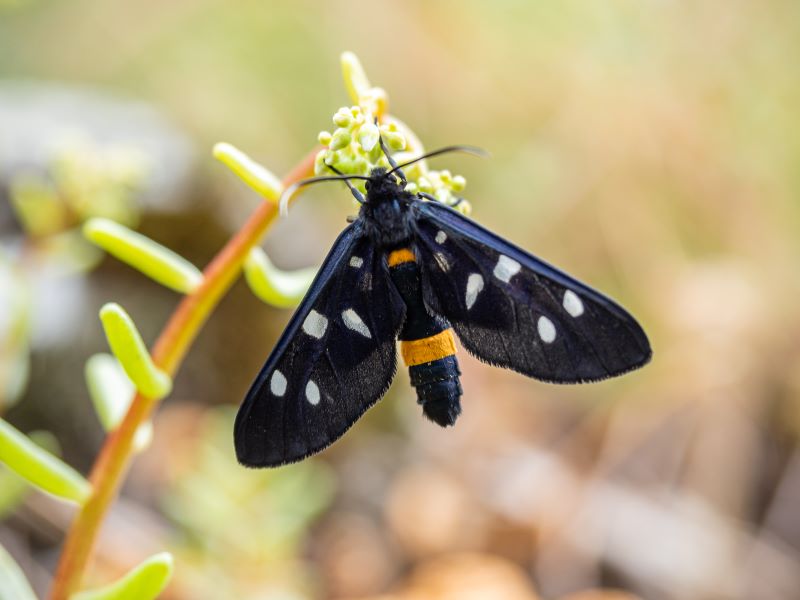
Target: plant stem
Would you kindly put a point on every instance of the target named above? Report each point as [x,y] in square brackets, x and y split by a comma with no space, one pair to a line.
[115,456]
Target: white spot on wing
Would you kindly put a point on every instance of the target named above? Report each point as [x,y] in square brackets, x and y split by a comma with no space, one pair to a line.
[573,304]
[277,383]
[441,237]
[506,268]
[354,322]
[474,287]
[315,324]
[356,261]
[312,393]
[547,331]
[442,261]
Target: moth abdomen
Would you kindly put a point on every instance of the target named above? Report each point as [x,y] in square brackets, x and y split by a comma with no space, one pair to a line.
[427,345]
[438,389]
[434,372]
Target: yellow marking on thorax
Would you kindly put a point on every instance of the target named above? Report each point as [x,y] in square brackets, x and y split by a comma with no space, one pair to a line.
[403,255]
[418,352]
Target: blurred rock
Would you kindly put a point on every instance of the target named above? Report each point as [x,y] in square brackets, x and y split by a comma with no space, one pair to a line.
[601,595]
[355,556]
[429,511]
[37,119]
[468,577]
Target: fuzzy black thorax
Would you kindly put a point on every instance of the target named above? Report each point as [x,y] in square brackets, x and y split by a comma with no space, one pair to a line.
[385,211]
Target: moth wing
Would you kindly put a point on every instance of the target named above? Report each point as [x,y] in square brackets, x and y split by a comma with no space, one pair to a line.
[335,359]
[513,310]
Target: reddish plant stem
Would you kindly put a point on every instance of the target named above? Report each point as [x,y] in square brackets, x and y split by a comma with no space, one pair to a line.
[111,466]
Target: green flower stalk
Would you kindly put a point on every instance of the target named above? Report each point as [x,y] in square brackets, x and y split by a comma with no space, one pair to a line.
[169,349]
[353,147]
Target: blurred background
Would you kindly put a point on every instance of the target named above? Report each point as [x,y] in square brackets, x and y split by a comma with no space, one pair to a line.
[650,148]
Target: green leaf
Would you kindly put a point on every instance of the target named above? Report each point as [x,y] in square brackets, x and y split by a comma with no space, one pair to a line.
[39,467]
[128,347]
[355,79]
[253,174]
[283,289]
[145,582]
[111,392]
[13,584]
[13,488]
[154,260]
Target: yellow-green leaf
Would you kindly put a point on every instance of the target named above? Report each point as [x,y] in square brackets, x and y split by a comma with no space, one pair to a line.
[154,260]
[355,79]
[283,289]
[128,347]
[145,582]
[39,467]
[112,391]
[253,174]
[13,584]
[13,488]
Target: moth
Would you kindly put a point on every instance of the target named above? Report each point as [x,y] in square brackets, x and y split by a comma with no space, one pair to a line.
[412,269]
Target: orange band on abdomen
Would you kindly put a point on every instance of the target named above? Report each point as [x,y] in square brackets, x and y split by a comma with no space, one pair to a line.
[418,352]
[403,255]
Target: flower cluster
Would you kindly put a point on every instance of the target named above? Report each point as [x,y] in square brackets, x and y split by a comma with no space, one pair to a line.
[354,145]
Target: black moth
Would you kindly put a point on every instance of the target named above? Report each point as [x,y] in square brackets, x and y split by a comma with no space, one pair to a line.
[412,269]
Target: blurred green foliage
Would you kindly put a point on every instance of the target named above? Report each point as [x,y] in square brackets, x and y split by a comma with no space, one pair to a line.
[14,328]
[236,522]
[84,181]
